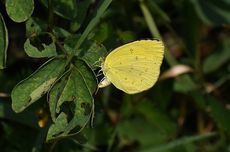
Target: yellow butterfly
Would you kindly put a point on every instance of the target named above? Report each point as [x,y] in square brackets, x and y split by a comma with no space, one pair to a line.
[133,67]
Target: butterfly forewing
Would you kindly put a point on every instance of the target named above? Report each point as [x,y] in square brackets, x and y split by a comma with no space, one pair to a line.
[134,67]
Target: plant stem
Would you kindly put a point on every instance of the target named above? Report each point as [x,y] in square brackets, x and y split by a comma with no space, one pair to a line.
[50,15]
[154,31]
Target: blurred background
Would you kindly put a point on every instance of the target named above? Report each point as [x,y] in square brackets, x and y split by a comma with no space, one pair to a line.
[188,110]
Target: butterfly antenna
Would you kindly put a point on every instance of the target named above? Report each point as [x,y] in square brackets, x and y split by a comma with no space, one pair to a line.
[98,62]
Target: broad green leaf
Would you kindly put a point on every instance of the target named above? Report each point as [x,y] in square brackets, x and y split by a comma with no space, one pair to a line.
[35,26]
[103,32]
[57,95]
[36,85]
[141,131]
[40,46]
[213,11]
[75,88]
[64,8]
[70,43]
[155,128]
[3,42]
[215,60]
[86,74]
[19,10]
[57,128]
[90,51]
[156,117]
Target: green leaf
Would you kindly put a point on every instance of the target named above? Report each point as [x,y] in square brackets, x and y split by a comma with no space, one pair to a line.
[216,110]
[75,88]
[173,144]
[58,126]
[158,118]
[155,128]
[82,9]
[90,52]
[35,26]
[40,46]
[157,10]
[219,113]
[141,131]
[98,14]
[3,42]
[103,32]
[184,84]
[149,20]
[58,95]
[19,10]
[64,8]
[218,58]
[213,11]
[36,85]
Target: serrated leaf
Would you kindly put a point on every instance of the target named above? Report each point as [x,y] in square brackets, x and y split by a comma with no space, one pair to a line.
[34,47]
[3,42]
[76,88]
[19,10]
[36,85]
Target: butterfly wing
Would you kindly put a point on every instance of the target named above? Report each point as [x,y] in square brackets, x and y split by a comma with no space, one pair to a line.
[134,67]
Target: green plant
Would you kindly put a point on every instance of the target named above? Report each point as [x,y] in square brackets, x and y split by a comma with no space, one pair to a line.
[62,41]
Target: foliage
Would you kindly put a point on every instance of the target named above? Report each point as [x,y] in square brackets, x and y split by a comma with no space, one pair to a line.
[49,99]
